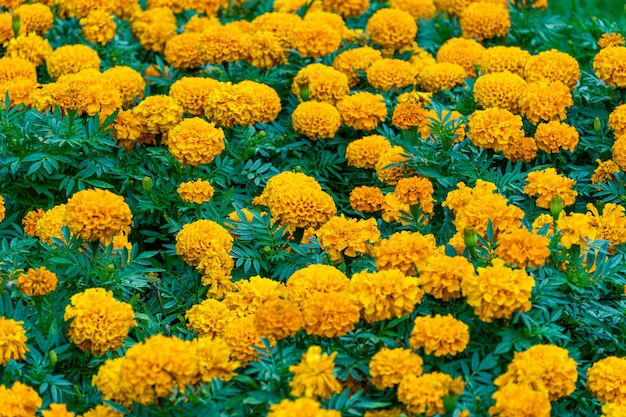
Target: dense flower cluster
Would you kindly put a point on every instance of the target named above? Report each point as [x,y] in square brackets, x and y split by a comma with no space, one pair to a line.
[351,61]
[12,340]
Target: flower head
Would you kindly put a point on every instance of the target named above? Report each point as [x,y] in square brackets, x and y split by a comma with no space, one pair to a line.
[362,110]
[499,89]
[388,174]
[218,44]
[425,393]
[242,337]
[405,251]
[192,93]
[251,294]
[408,115]
[386,74]
[522,248]
[606,379]
[315,39]
[545,100]
[504,58]
[605,171]
[316,120]
[278,319]
[553,65]
[485,20]
[554,136]
[494,128]
[389,366]
[547,183]
[351,61]
[441,335]
[608,65]
[366,152]
[12,340]
[520,400]
[36,17]
[301,407]
[198,191]
[19,401]
[330,314]
[158,114]
[209,318]
[441,276]
[70,59]
[183,51]
[314,375]
[30,47]
[265,50]
[464,52]
[324,83]
[366,199]
[128,82]
[37,281]
[419,9]
[441,76]
[153,27]
[97,215]
[608,40]
[213,355]
[313,279]
[391,28]
[98,27]
[195,141]
[342,236]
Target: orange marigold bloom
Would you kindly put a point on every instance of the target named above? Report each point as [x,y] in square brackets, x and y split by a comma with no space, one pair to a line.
[521,149]
[350,8]
[485,20]
[30,47]
[441,275]
[547,183]
[70,59]
[126,129]
[494,128]
[576,229]
[362,110]
[385,295]
[520,400]
[390,175]
[50,224]
[107,381]
[219,44]
[242,337]
[182,51]
[158,114]
[605,171]
[613,410]
[195,142]
[279,23]
[441,76]
[425,393]
[316,120]
[209,318]
[330,314]
[6,27]
[522,248]
[606,379]
[389,366]
[198,24]
[315,39]
[504,58]
[342,236]
[553,136]
[498,291]
[322,82]
[546,368]
[128,82]
[19,401]
[386,74]
[57,410]
[207,7]
[35,17]
[213,356]
[501,89]
[416,191]
[419,9]
[367,151]
[19,91]
[12,341]
[408,115]
[314,375]
[608,65]
[545,100]
[14,68]
[351,61]
[98,27]
[100,322]
[278,319]
[301,407]
[193,93]
[405,251]
[440,335]
[553,65]
[611,39]
[464,52]
[391,28]
[366,199]
[198,191]
[153,27]
[313,279]
[395,210]
[29,221]
[252,293]
[97,215]
[37,281]
[265,50]
[617,120]
[611,224]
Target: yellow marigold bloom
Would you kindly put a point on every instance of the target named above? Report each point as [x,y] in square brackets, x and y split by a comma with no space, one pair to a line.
[501,89]
[520,400]
[441,276]
[100,322]
[278,319]
[158,114]
[441,76]
[576,229]
[391,28]
[323,83]
[19,91]
[242,337]
[29,221]
[35,17]
[606,379]
[126,129]
[395,210]
[219,44]
[102,411]
[408,115]
[207,7]
[546,368]
[350,8]
[265,50]
[619,152]
[342,236]
[425,393]
[196,142]
[504,58]
[57,410]
[464,52]
[611,224]
[329,314]
[313,279]
[182,51]
[405,251]
[198,191]
[390,175]
[385,295]
[30,47]
[386,74]
[605,171]
[545,100]
[192,93]
[389,366]
[351,61]
[494,128]
[209,318]
[279,23]
[617,120]
[553,65]
[12,340]
[366,199]
[81,8]
[367,151]
[521,149]
[613,410]
[70,59]
[608,65]
[98,27]
[362,110]
[37,281]
[316,120]
[198,24]
[19,401]
[153,27]
[498,291]
[547,183]
[213,355]
[14,68]
[416,191]
[485,20]
[554,136]
[250,294]
[522,248]
[97,214]
[608,40]
[419,9]
[440,335]
[153,368]
[331,19]
[6,27]
[315,39]
[50,224]
[201,239]
[301,407]
[128,82]
[314,376]
[107,380]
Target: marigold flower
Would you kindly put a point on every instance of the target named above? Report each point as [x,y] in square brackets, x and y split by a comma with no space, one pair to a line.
[390,175]
[520,400]
[342,236]
[441,76]
[315,39]
[441,276]
[608,65]
[98,27]
[192,93]
[35,17]
[19,401]
[314,375]
[386,74]
[497,291]
[504,58]
[576,229]
[57,410]
[416,191]
[37,281]
[605,171]
[195,142]
[425,393]
[351,61]
[502,89]
[70,59]
[207,7]
[613,410]
[494,128]
[545,100]
[611,224]
[367,151]
[128,82]
[546,368]
[30,47]
[158,114]
[419,9]
[278,319]
[362,110]
[389,366]
[393,412]
[200,239]
[405,251]
[606,379]
[350,8]
[522,248]
[250,294]
[198,24]
[313,279]
[408,115]
[153,27]
[608,40]
[553,65]
[6,27]
[366,199]
[329,314]
[323,83]
[198,191]
[553,136]
[301,407]
[617,120]
[50,224]
[521,149]
[391,28]
[97,215]
[279,23]
[242,337]
[485,20]
[19,91]
[213,355]
[29,221]
[14,68]
[209,318]
[316,120]
[441,335]
[265,50]
[12,340]
[219,44]
[182,51]
[619,152]
[107,380]
[385,295]
[464,52]
[127,130]
[547,183]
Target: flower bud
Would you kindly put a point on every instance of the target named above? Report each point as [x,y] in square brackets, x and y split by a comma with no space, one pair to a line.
[597,124]
[556,206]
[16,24]
[53,358]
[305,92]
[470,237]
[146,182]
[449,403]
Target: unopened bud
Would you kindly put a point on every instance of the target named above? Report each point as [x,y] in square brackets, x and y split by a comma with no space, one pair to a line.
[305,92]
[470,237]
[597,124]
[16,24]
[449,403]
[262,133]
[146,182]
[297,168]
[556,206]
[267,249]
[53,358]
